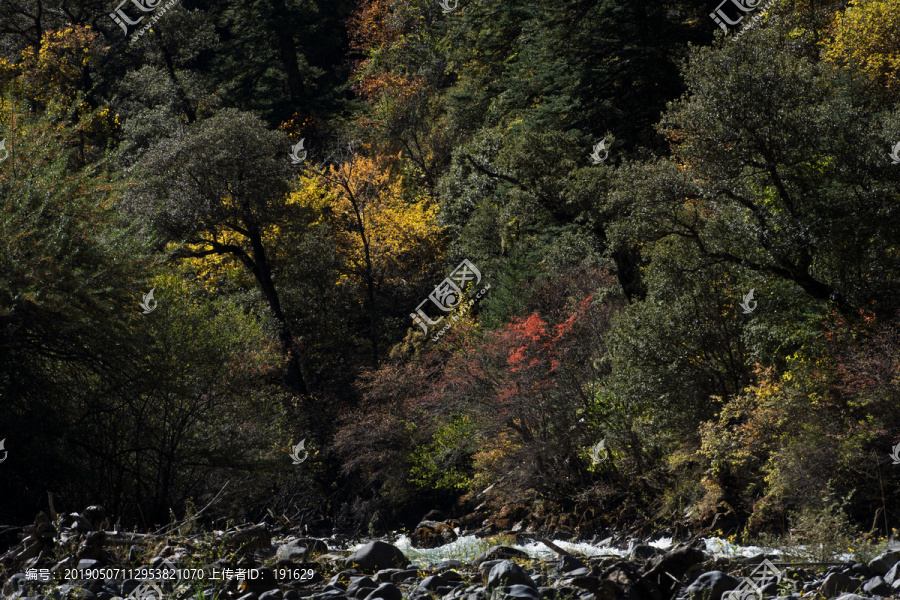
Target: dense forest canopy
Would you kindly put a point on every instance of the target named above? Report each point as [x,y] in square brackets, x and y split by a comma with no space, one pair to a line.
[686,235]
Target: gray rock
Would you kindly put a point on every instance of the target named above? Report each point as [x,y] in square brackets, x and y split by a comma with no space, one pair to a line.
[292,595]
[877,587]
[892,575]
[547,593]
[499,552]
[271,595]
[521,591]
[851,597]
[838,583]
[291,552]
[360,587]
[385,591]
[250,596]
[402,575]
[507,573]
[568,564]
[431,583]
[643,552]
[711,585]
[376,556]
[86,563]
[882,563]
[386,575]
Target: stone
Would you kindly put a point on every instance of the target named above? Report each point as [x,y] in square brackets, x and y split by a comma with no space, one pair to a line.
[499,553]
[386,575]
[376,556]
[431,583]
[402,575]
[568,564]
[293,552]
[678,564]
[360,587]
[385,591]
[891,576]
[877,587]
[883,563]
[271,595]
[838,583]
[86,563]
[521,591]
[431,534]
[711,585]
[507,573]
[292,595]
[96,515]
[851,597]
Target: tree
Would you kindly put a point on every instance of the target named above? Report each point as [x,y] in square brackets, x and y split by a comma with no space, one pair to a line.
[382,237]
[774,172]
[216,192]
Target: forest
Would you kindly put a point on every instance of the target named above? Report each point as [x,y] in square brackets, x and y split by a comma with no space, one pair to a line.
[566,265]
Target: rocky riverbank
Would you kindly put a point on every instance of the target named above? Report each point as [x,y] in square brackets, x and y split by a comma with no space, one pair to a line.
[76,558]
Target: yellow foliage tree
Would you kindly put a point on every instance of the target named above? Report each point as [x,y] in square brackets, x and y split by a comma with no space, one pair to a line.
[384,239]
[866,37]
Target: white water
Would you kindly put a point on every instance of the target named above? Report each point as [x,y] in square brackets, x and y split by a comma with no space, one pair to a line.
[468,547]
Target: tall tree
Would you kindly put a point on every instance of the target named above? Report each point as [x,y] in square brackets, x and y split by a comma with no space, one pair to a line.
[215,192]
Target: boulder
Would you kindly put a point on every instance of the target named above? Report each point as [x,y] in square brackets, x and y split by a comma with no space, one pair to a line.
[523,592]
[507,573]
[668,570]
[431,534]
[643,552]
[877,587]
[838,583]
[499,553]
[385,591]
[376,556]
[883,563]
[712,585]
[891,576]
[431,583]
[360,587]
[568,564]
